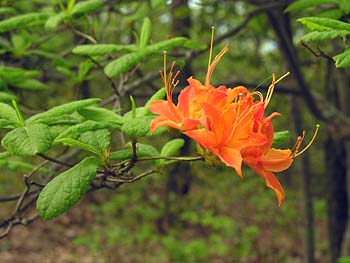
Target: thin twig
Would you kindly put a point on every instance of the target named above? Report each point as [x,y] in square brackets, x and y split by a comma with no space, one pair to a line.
[131,180]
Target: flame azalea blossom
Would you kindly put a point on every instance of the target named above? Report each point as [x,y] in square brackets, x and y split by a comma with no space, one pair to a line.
[227,122]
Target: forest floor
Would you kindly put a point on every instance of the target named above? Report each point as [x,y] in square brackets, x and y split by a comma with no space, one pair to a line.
[226,226]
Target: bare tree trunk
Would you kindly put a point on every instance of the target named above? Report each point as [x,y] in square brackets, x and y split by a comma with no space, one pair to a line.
[305,172]
[281,25]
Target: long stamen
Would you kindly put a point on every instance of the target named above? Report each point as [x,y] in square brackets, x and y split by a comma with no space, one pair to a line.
[285,75]
[261,97]
[164,69]
[270,91]
[211,46]
[272,87]
[213,64]
[309,144]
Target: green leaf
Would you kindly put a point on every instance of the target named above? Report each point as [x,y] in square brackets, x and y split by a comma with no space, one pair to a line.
[28,141]
[18,113]
[279,138]
[342,60]
[137,127]
[146,31]
[8,116]
[7,10]
[343,260]
[5,96]
[324,24]
[55,20]
[15,165]
[172,147]
[75,131]
[303,4]
[142,150]
[76,143]
[99,139]
[159,95]
[102,49]
[333,13]
[84,69]
[318,36]
[123,64]
[29,84]
[167,44]
[66,189]
[4,155]
[23,21]
[85,7]
[60,110]
[345,6]
[13,75]
[102,115]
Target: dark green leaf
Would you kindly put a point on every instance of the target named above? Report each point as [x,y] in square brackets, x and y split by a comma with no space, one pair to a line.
[324,24]
[137,127]
[29,84]
[13,75]
[333,13]
[317,36]
[8,116]
[75,131]
[172,147]
[55,20]
[4,155]
[344,6]
[303,4]
[99,139]
[85,7]
[76,143]
[167,44]
[5,96]
[146,31]
[102,49]
[23,21]
[279,138]
[66,189]
[342,60]
[16,165]
[7,10]
[102,115]
[66,108]
[123,64]
[28,141]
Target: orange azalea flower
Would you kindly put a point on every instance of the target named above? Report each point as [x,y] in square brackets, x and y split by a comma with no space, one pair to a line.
[265,160]
[229,123]
[186,115]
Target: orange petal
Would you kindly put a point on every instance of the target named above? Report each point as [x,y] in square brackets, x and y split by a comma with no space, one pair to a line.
[162,107]
[204,137]
[271,181]
[163,121]
[274,184]
[276,160]
[231,157]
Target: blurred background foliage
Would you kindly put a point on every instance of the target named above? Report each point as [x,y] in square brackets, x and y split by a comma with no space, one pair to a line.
[191,213]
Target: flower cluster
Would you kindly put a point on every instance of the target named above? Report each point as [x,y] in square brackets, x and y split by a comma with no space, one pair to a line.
[228,123]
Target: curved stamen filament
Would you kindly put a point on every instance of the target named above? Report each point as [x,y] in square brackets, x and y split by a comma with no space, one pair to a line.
[272,87]
[211,46]
[213,64]
[299,141]
[259,94]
